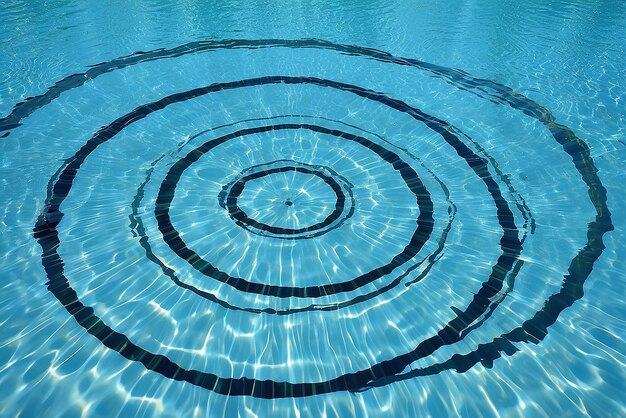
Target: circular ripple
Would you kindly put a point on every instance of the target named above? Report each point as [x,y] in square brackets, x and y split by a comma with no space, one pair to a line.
[427,262]
[342,203]
[482,304]
[172,238]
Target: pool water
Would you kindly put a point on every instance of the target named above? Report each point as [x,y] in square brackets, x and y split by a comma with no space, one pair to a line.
[317,209]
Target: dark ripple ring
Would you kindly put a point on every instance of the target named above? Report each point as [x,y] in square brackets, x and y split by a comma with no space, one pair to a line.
[532,331]
[233,191]
[421,234]
[428,261]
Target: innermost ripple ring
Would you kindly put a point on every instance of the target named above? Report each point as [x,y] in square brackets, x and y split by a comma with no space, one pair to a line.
[241,217]
[171,236]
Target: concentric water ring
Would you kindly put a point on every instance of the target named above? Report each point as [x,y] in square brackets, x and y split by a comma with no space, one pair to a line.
[343,204]
[533,330]
[173,239]
[427,262]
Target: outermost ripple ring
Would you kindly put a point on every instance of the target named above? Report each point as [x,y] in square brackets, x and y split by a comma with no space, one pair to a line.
[532,331]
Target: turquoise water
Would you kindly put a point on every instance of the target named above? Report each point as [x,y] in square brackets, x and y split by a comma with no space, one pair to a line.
[363,209]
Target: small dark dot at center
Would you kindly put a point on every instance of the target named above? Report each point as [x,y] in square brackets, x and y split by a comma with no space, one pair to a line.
[288,202]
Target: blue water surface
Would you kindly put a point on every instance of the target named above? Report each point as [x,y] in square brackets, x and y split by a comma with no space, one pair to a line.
[312,209]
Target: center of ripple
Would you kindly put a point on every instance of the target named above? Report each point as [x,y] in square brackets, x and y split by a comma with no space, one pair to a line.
[288,199]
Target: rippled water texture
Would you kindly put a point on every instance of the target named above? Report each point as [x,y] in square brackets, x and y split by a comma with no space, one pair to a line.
[366,209]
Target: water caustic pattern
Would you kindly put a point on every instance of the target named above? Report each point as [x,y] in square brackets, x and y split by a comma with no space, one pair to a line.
[279,188]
